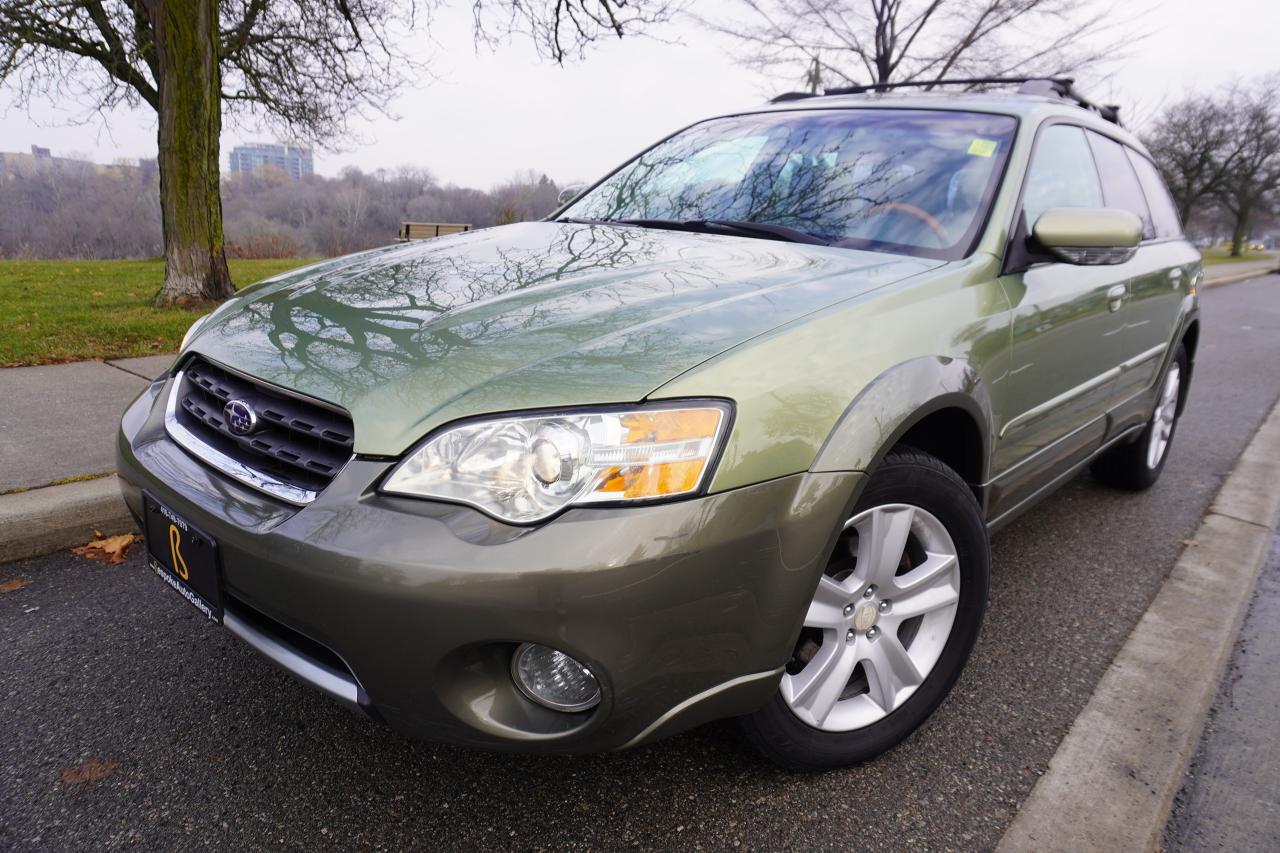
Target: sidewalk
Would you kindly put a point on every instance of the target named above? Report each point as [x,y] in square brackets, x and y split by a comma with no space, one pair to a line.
[57,426]
[1216,275]
[59,421]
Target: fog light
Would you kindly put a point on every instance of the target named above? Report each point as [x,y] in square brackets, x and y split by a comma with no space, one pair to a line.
[553,679]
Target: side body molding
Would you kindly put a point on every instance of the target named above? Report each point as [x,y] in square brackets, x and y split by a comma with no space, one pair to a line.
[897,400]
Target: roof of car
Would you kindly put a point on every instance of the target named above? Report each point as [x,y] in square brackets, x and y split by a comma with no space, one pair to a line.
[1032,108]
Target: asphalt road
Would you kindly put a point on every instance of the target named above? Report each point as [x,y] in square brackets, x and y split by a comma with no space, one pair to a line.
[204,744]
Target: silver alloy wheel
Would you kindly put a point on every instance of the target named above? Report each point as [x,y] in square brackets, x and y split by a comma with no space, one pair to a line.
[1162,420]
[884,617]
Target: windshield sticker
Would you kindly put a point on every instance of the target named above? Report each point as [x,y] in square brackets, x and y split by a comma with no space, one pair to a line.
[982,147]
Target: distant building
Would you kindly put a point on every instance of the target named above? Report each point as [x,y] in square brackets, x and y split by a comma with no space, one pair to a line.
[42,161]
[293,161]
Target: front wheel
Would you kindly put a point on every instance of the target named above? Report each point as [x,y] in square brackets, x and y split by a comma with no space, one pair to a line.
[892,621]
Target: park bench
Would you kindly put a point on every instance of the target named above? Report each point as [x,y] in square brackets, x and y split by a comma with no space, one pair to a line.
[427,230]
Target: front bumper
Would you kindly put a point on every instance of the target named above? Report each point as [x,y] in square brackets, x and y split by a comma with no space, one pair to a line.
[685,611]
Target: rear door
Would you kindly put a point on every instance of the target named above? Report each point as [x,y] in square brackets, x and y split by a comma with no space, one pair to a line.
[1152,281]
[1162,304]
[1063,350]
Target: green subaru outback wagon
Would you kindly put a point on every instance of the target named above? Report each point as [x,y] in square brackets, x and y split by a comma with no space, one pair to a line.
[724,436]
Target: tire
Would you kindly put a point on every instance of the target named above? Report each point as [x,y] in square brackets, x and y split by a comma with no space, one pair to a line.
[890,610]
[1137,465]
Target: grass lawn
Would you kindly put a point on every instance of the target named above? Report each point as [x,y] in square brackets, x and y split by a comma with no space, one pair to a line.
[1219,255]
[54,311]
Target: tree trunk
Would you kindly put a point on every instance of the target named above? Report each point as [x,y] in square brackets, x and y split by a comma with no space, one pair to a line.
[1239,232]
[190,118]
[1185,207]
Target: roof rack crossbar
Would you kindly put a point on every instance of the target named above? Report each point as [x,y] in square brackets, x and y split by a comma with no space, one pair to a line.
[946,81]
[1060,87]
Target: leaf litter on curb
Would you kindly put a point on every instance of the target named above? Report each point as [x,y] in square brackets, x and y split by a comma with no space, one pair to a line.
[91,770]
[112,550]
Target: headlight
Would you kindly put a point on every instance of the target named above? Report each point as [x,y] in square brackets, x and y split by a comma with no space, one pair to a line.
[526,468]
[191,331]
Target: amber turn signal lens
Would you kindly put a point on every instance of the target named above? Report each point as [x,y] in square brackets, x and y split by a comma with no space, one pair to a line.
[669,478]
[671,425]
[669,449]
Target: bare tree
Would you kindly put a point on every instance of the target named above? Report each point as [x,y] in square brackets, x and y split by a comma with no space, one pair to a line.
[844,42]
[304,66]
[1223,150]
[64,208]
[562,29]
[1192,143]
[1253,163]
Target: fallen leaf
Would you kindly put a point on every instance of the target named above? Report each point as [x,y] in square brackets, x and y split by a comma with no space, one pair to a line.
[14,585]
[90,771]
[112,550]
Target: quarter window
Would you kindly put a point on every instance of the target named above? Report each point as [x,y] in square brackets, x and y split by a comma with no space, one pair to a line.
[1120,188]
[1062,173]
[1163,213]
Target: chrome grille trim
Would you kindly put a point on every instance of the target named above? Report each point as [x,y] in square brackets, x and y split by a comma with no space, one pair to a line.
[219,461]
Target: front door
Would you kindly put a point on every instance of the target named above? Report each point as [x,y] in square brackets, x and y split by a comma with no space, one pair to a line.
[1064,348]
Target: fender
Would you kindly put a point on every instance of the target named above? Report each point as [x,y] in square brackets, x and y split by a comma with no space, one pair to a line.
[897,400]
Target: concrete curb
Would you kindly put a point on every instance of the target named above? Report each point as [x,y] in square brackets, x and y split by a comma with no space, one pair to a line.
[42,521]
[1111,784]
[1236,277]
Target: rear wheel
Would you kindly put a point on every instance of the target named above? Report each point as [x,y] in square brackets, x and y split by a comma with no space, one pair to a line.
[1138,464]
[892,621]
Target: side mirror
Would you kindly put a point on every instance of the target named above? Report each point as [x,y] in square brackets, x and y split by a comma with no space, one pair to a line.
[569,193]
[1089,235]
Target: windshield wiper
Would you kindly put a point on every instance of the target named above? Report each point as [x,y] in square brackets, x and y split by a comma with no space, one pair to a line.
[767,229]
[574,221]
[732,226]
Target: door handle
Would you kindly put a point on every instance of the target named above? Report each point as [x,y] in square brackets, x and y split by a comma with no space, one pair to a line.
[1115,296]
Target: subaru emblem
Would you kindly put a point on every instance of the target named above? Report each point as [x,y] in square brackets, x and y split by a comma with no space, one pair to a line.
[241,418]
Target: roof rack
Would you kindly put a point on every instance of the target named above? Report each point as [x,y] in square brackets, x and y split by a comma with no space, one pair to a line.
[1059,87]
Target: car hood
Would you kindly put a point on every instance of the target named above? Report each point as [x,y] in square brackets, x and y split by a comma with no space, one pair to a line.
[533,315]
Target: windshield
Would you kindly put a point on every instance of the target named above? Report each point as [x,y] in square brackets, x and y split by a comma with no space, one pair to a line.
[911,181]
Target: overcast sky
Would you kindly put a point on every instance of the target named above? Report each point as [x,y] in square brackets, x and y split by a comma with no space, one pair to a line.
[493,114]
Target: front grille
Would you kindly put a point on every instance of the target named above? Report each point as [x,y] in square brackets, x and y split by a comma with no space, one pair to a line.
[296,441]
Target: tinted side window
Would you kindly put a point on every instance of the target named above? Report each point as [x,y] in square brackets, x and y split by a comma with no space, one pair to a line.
[1062,173]
[1163,212]
[1120,186]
